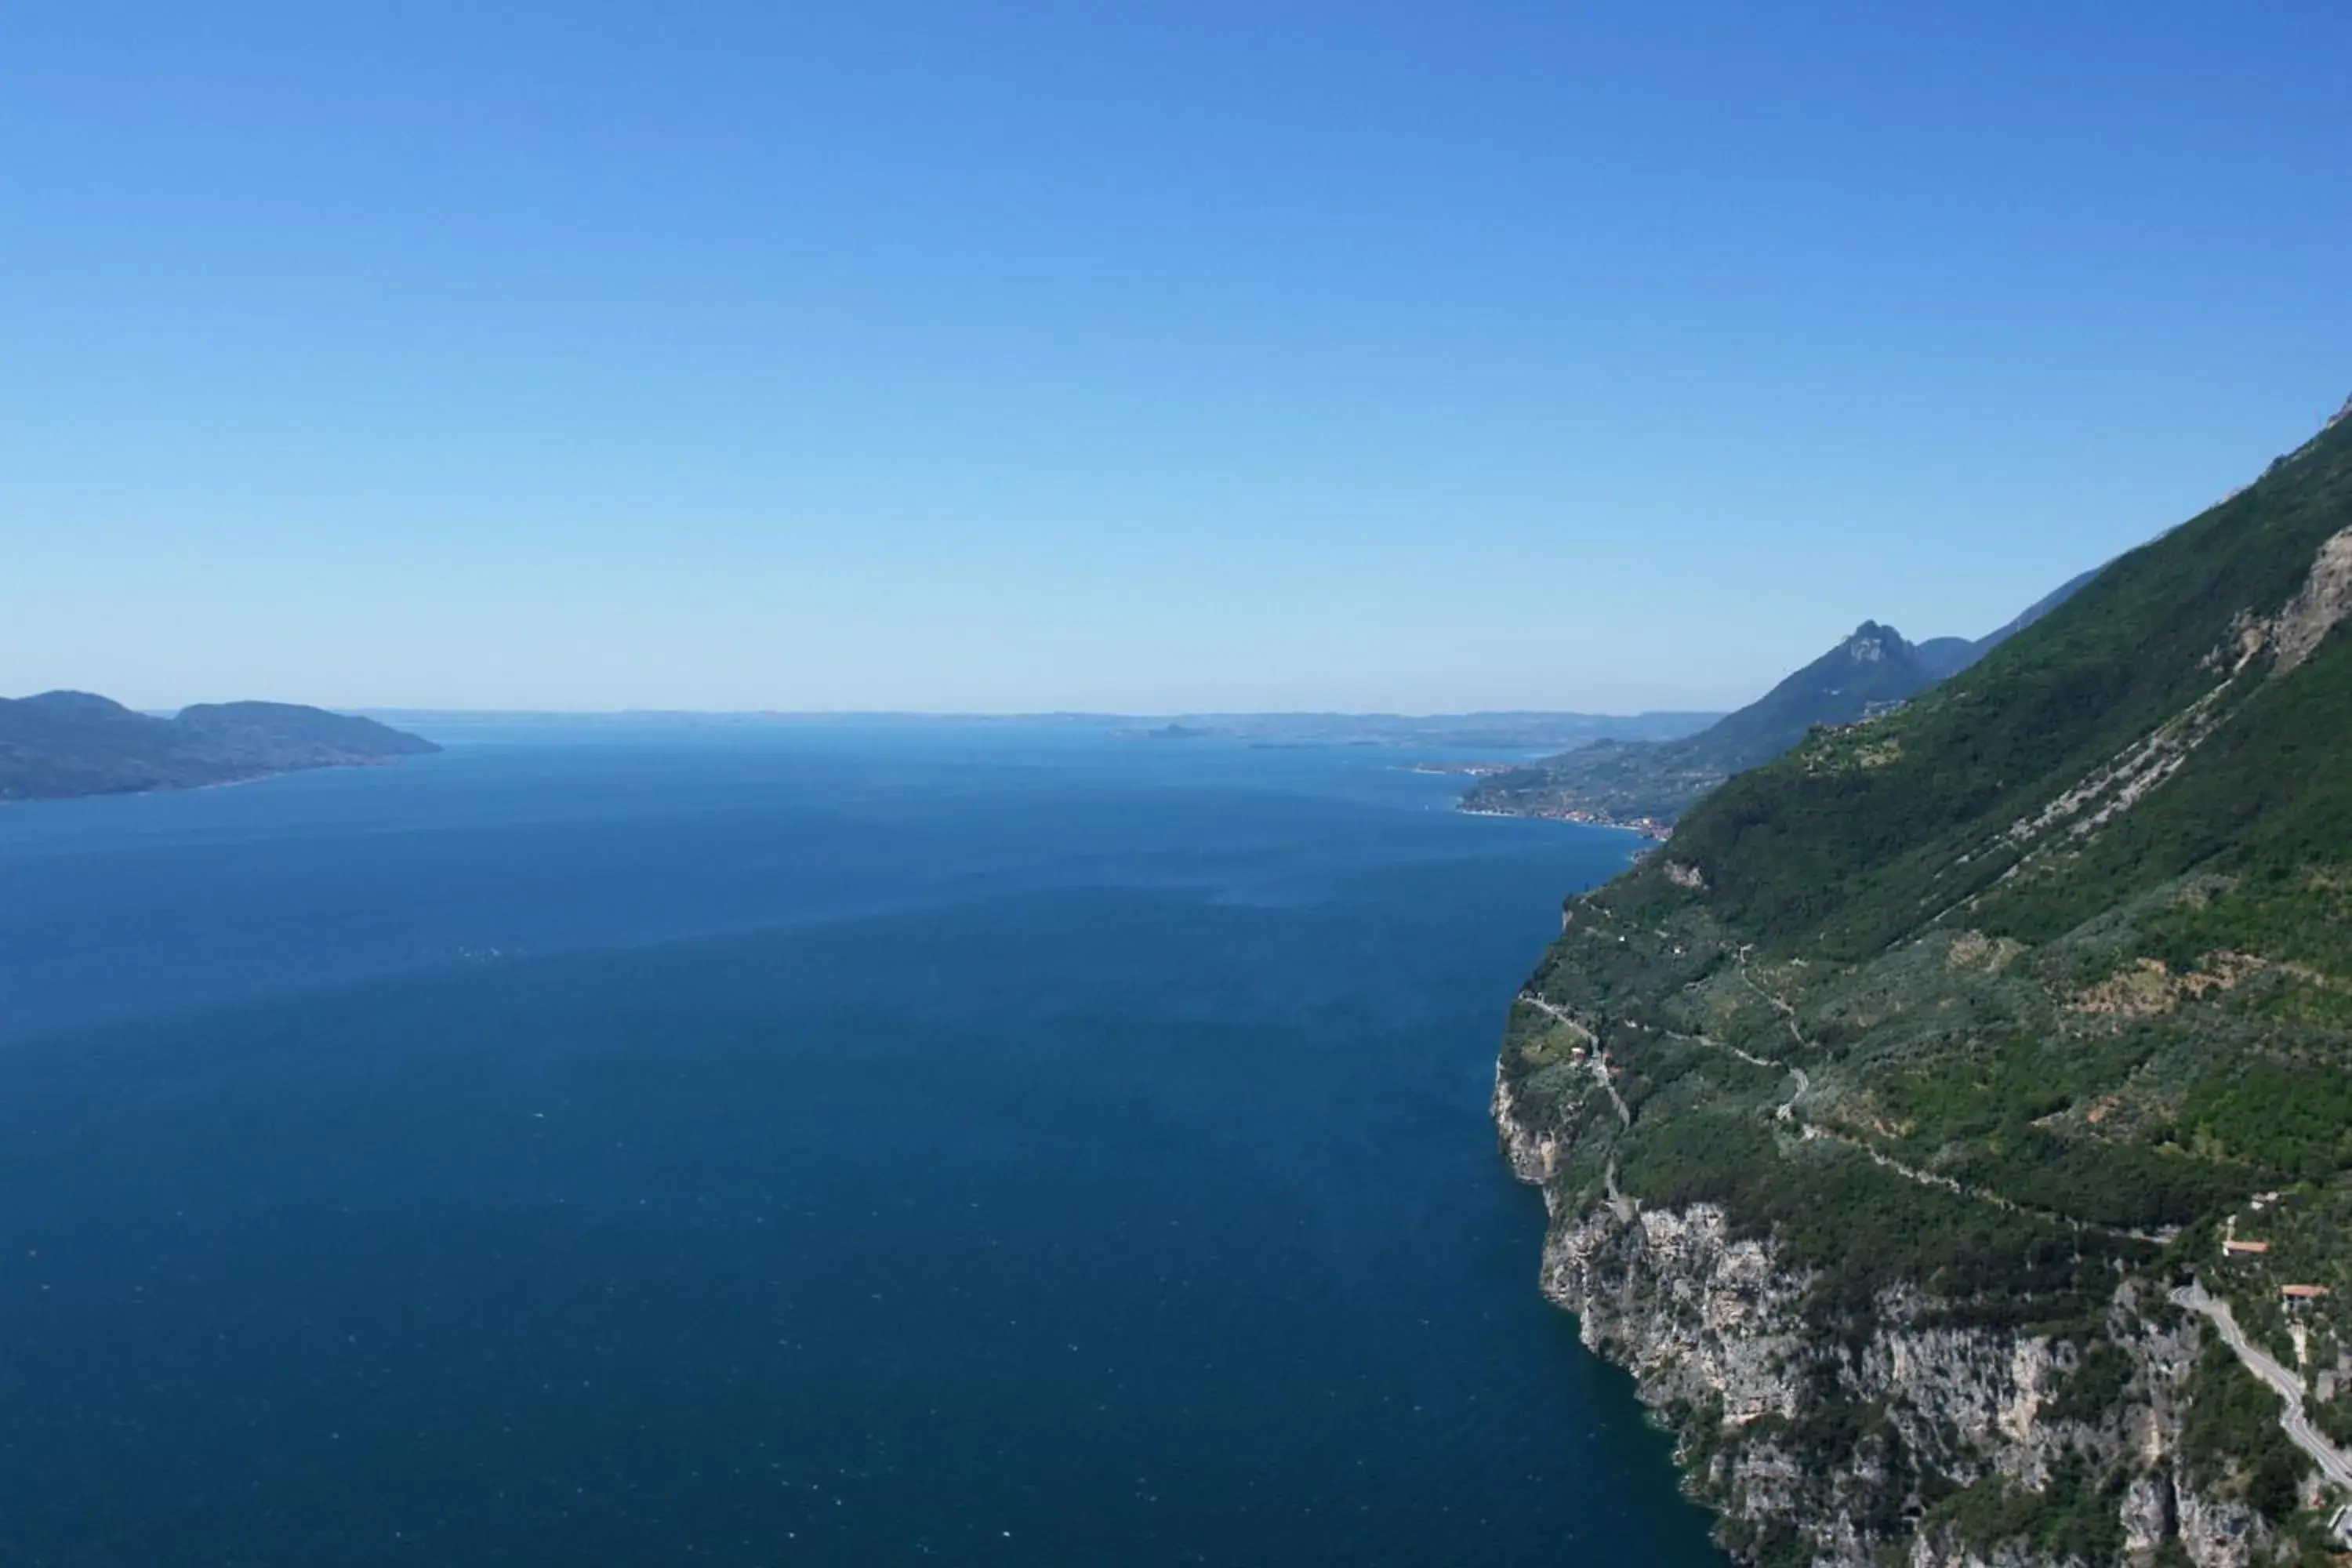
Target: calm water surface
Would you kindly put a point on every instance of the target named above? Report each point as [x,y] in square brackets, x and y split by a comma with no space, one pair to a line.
[789,1145]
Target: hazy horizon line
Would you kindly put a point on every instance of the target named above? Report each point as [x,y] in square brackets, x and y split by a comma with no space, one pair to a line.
[1064,714]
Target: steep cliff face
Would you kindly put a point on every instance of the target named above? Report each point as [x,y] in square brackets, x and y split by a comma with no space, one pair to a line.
[1713,1327]
[1881,1115]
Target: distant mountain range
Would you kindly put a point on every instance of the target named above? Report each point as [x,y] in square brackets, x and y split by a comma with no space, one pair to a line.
[73,742]
[1646,783]
[1506,731]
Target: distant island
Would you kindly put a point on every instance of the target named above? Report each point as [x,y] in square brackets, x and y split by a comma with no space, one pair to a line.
[64,744]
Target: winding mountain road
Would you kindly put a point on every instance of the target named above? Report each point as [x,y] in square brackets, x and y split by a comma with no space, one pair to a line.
[1800,1084]
[1598,1061]
[2331,1460]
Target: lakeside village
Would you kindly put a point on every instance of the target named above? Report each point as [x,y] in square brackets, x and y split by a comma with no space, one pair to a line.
[1655,829]
[1652,829]
[1465,770]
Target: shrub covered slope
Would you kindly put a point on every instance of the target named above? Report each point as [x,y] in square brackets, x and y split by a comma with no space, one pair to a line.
[1997,1014]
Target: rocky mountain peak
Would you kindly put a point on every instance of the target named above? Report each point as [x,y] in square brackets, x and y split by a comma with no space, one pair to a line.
[1871,643]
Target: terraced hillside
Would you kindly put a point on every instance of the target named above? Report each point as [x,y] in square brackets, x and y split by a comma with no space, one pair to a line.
[1882,1113]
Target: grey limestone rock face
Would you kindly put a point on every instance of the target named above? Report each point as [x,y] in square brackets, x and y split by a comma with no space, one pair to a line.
[1712,1325]
[2151,1515]
[2221,1534]
[1700,1318]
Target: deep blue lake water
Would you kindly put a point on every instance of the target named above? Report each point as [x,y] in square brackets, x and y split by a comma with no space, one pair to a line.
[813,1145]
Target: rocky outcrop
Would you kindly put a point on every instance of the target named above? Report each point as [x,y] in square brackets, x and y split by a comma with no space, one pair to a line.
[1533,1155]
[1714,1328]
[2325,598]
[1700,1318]
[2218,1534]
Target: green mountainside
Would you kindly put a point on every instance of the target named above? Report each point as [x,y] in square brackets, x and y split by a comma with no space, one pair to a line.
[72,743]
[1641,782]
[1969,1034]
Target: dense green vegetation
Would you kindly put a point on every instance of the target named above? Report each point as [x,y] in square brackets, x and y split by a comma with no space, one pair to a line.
[1824,852]
[2073,1517]
[2231,1440]
[2042,982]
[2289,1122]
[1838,1217]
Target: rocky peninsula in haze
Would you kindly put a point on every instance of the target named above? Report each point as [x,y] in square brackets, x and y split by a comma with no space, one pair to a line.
[63,743]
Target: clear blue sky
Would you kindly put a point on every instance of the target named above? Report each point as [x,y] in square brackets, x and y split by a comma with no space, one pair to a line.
[1127,356]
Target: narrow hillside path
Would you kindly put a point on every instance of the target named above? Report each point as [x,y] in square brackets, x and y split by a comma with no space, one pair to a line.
[1560,1016]
[1801,1085]
[1788,1012]
[2332,1461]
[1786,1111]
[1599,1059]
